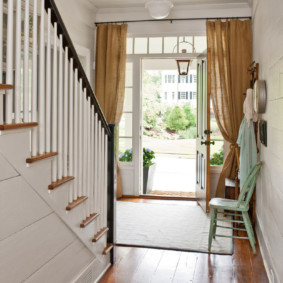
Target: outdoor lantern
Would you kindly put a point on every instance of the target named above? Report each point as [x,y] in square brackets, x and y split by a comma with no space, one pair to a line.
[183,67]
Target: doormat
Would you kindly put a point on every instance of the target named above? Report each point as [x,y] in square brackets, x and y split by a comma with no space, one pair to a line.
[173,194]
[169,226]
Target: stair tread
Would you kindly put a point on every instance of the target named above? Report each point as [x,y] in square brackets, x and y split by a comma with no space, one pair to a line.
[88,220]
[6,86]
[100,234]
[40,157]
[4,127]
[107,249]
[76,202]
[60,182]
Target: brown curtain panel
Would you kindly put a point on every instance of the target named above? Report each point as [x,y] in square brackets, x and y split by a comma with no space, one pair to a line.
[110,72]
[230,45]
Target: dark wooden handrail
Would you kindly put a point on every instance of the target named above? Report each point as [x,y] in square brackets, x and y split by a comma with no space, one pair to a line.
[67,42]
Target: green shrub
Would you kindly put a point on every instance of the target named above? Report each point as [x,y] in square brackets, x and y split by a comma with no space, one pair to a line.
[190,116]
[148,156]
[217,158]
[126,156]
[190,133]
[149,119]
[176,120]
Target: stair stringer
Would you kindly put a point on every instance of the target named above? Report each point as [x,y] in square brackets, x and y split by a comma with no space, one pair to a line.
[15,147]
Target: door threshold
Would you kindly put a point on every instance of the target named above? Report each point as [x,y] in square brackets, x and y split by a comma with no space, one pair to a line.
[161,197]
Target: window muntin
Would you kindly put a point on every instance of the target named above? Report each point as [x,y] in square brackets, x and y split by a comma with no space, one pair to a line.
[165,44]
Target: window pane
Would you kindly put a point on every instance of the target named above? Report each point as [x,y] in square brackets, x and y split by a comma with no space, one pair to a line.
[185,42]
[216,153]
[155,45]
[200,43]
[141,45]
[125,126]
[129,45]
[129,74]
[125,143]
[128,101]
[169,44]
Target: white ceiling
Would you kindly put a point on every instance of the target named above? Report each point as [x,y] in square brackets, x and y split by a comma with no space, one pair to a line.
[141,3]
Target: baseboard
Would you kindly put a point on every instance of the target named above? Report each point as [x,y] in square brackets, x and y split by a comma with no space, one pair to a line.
[266,257]
[102,273]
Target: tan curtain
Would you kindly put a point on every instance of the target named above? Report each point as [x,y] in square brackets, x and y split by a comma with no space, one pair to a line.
[230,45]
[110,72]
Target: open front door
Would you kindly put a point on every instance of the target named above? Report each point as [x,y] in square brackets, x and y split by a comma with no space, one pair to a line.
[203,136]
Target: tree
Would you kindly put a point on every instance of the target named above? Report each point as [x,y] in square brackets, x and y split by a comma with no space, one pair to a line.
[176,120]
[190,116]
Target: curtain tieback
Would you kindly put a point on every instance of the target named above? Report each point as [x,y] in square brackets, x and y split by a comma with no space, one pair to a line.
[233,146]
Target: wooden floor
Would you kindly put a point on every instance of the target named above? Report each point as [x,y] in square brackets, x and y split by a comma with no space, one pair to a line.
[142,265]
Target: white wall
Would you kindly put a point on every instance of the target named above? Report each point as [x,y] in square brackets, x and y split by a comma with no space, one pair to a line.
[79,18]
[176,27]
[268,52]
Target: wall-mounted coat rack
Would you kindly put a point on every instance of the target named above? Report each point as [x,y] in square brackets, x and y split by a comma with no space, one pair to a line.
[253,70]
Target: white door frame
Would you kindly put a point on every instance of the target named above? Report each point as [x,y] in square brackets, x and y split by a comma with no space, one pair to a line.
[135,167]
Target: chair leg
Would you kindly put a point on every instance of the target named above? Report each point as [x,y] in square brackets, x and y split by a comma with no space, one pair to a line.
[212,223]
[215,223]
[249,230]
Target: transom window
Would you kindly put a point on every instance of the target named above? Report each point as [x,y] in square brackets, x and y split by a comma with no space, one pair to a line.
[165,44]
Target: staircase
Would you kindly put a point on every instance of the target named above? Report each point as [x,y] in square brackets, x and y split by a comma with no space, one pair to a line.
[56,153]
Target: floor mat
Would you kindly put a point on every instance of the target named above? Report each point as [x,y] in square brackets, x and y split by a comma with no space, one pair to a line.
[169,226]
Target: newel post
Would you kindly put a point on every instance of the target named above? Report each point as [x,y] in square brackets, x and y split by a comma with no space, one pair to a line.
[112,193]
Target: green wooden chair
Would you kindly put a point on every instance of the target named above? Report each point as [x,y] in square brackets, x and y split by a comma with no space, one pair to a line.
[238,208]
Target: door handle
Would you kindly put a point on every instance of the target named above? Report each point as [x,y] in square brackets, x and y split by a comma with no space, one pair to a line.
[206,132]
[207,142]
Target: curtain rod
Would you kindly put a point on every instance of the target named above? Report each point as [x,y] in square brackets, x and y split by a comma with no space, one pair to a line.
[171,20]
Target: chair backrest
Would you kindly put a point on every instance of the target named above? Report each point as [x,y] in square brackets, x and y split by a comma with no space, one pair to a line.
[249,185]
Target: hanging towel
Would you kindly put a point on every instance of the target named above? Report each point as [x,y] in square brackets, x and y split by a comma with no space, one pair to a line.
[248,107]
[248,150]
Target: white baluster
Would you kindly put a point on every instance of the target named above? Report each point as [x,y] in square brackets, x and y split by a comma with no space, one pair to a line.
[76,138]
[26,64]
[48,85]
[54,103]
[71,127]
[41,120]
[34,143]
[88,157]
[102,162]
[99,204]
[9,63]
[60,110]
[84,144]
[84,175]
[65,127]
[96,148]
[17,87]
[1,61]
[80,193]
[92,149]
[105,178]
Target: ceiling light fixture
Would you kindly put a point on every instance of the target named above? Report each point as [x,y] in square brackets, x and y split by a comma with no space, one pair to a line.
[159,9]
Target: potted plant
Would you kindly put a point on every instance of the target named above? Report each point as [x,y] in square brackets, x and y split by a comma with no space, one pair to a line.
[148,166]
[148,169]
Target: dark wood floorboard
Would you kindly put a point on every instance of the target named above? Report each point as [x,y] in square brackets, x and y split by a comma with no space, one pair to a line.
[143,265]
